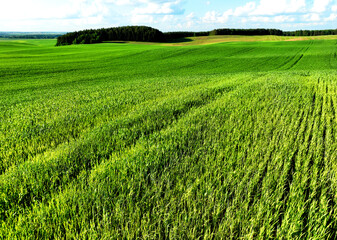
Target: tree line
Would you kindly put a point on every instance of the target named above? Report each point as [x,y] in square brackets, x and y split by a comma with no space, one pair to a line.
[248,32]
[129,33]
[251,32]
[16,35]
[311,32]
[148,34]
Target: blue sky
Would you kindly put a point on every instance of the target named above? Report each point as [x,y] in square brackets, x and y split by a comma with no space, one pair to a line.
[167,15]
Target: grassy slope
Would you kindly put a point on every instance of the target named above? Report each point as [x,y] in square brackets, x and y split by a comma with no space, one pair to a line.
[124,140]
[223,38]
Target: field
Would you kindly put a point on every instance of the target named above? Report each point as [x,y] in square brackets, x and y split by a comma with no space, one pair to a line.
[232,140]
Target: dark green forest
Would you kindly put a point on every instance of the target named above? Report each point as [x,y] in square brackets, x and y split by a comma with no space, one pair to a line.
[129,33]
[311,32]
[148,34]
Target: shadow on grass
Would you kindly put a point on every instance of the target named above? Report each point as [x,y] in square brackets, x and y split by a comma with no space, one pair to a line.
[179,40]
[119,42]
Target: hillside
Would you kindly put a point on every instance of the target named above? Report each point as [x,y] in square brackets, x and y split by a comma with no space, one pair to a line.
[231,140]
[148,34]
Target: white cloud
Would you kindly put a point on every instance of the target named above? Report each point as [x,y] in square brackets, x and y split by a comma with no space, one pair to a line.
[72,9]
[215,17]
[210,16]
[260,19]
[120,2]
[190,16]
[142,19]
[147,10]
[168,18]
[244,10]
[153,7]
[301,25]
[332,17]
[311,17]
[244,20]
[261,12]
[276,19]
[320,5]
[189,24]
[268,7]
[283,18]
[72,15]
[86,8]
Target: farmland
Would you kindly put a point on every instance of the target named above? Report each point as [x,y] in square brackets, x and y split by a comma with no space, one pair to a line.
[231,139]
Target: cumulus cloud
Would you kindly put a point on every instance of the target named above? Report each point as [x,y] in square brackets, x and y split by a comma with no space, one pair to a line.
[120,2]
[215,17]
[267,7]
[145,11]
[244,10]
[42,10]
[164,14]
[87,8]
[320,5]
[301,25]
[143,19]
[297,12]
[159,8]
[276,19]
[259,12]
[311,17]
[283,18]
[260,19]
[332,17]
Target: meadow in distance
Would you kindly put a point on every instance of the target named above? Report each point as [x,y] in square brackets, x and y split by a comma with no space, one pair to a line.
[219,137]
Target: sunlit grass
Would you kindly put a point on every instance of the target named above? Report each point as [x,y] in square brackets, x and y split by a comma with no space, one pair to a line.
[234,140]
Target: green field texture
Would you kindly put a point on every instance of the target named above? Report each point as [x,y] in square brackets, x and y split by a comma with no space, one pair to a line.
[231,140]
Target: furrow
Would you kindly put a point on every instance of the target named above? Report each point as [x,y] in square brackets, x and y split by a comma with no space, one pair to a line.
[33,181]
[139,150]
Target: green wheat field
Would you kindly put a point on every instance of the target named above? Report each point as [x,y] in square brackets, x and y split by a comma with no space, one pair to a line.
[208,139]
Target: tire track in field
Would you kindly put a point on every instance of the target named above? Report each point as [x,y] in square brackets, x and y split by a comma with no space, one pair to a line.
[330,193]
[294,60]
[333,59]
[41,133]
[161,168]
[301,56]
[310,169]
[263,173]
[255,177]
[331,222]
[309,158]
[239,52]
[317,164]
[18,186]
[33,131]
[47,200]
[327,121]
[290,169]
